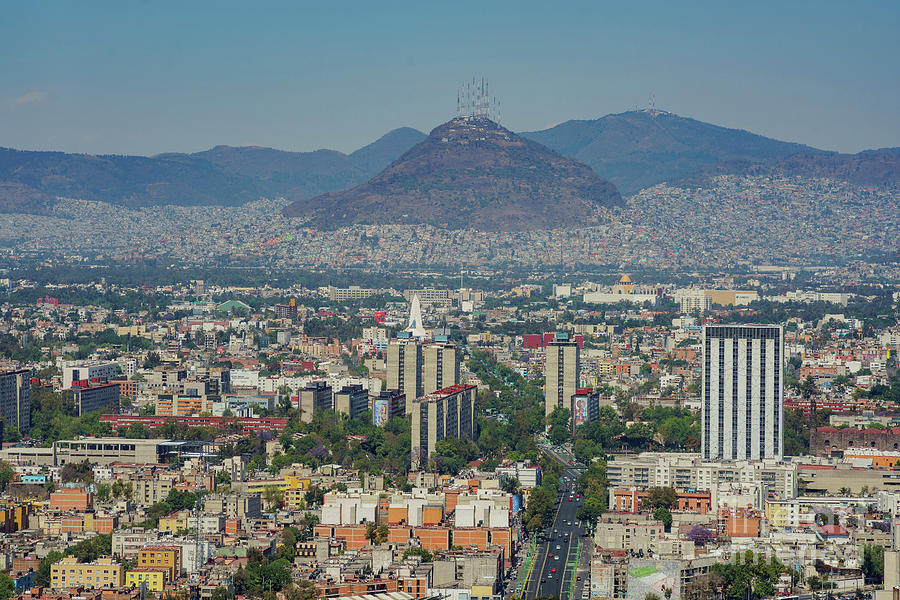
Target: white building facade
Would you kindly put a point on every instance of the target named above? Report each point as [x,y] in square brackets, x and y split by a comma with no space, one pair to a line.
[742,411]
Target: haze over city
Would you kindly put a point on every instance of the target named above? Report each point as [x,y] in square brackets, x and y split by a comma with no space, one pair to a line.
[145,78]
[457,301]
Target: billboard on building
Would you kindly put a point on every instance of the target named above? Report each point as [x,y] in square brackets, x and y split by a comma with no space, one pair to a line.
[580,412]
[378,317]
[659,577]
[381,412]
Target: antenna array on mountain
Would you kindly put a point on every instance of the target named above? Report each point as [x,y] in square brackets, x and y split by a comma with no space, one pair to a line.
[651,105]
[473,99]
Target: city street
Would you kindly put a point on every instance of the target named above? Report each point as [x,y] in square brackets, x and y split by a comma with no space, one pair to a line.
[556,570]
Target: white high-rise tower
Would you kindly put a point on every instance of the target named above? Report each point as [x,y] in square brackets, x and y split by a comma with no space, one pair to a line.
[742,412]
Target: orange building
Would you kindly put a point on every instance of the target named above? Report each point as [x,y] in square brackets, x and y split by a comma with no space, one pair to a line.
[357,588]
[233,526]
[161,556]
[433,538]
[471,537]
[633,501]
[105,524]
[694,502]
[399,534]
[71,525]
[398,515]
[71,499]
[174,405]
[502,538]
[354,536]
[416,584]
[126,387]
[432,515]
[738,522]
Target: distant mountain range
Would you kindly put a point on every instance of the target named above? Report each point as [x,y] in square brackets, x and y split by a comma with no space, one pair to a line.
[870,167]
[639,149]
[470,173]
[633,150]
[224,175]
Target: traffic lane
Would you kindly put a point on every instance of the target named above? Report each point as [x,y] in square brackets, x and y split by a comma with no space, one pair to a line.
[566,537]
[550,581]
[544,564]
[543,581]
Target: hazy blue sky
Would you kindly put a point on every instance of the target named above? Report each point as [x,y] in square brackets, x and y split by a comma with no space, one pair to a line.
[154,76]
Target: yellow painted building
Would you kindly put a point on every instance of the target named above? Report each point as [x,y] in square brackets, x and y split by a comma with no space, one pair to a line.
[68,573]
[133,330]
[289,482]
[174,522]
[14,516]
[482,592]
[294,490]
[161,556]
[156,577]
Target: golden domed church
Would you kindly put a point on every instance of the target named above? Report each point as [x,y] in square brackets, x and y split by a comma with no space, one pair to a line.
[624,287]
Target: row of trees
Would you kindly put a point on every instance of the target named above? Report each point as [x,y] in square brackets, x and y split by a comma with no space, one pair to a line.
[542,499]
[662,427]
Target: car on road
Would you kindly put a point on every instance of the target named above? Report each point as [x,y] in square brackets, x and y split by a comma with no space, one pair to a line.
[543,580]
[558,547]
[553,570]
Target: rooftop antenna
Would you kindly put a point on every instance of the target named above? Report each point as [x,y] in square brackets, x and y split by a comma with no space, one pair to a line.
[652,104]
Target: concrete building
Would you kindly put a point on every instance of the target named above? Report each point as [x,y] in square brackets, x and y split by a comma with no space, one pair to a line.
[351,400]
[150,489]
[623,291]
[561,373]
[69,573]
[692,301]
[404,369]
[441,367]
[100,397]
[184,405]
[742,412]
[430,296]
[446,413]
[387,405]
[529,475]
[584,406]
[286,311]
[104,451]
[169,556]
[89,371]
[127,542]
[691,472]
[354,292]
[15,400]
[315,396]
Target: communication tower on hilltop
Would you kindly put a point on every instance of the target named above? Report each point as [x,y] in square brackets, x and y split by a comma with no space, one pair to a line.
[651,105]
[473,100]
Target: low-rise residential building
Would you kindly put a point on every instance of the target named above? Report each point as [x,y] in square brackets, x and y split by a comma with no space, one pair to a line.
[69,573]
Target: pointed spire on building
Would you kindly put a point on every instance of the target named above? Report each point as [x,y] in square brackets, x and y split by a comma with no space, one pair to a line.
[415,327]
